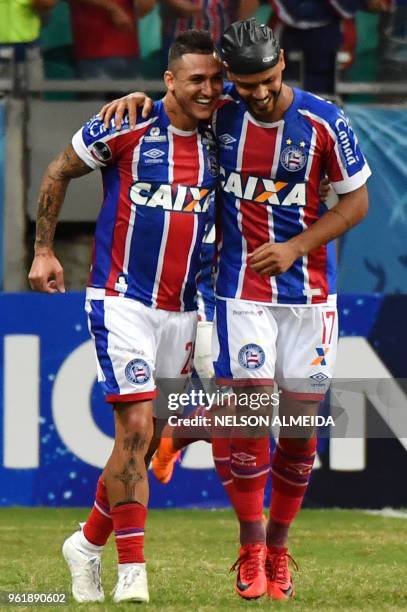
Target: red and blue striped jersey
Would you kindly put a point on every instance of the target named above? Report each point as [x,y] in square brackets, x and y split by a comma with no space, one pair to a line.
[269,192]
[206,294]
[215,17]
[158,183]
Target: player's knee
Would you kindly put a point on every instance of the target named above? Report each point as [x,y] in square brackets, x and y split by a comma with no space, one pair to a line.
[136,429]
[139,423]
[306,442]
[299,414]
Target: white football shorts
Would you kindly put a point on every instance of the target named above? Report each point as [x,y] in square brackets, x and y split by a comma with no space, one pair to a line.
[135,345]
[259,344]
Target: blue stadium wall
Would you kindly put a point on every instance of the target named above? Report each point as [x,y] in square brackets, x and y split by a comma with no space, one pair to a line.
[374,254]
[56,429]
[2,187]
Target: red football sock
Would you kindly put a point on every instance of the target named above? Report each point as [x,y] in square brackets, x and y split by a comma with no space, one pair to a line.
[250,466]
[99,525]
[221,458]
[128,523]
[291,469]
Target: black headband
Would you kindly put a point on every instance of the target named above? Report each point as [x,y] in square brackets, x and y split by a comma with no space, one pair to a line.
[248,47]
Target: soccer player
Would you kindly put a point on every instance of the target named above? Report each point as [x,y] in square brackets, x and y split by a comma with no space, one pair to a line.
[276,318]
[141,296]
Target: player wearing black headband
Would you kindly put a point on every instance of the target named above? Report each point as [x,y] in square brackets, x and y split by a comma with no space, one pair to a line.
[276,318]
[255,63]
[277,261]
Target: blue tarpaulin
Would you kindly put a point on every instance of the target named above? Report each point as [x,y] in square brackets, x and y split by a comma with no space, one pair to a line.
[374,254]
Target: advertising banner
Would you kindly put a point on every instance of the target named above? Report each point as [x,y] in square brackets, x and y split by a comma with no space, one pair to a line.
[2,190]
[56,429]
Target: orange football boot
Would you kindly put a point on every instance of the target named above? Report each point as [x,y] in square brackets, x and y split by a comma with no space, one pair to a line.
[251,581]
[279,581]
[164,460]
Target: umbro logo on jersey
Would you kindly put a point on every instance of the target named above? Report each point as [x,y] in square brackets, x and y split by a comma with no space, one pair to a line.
[226,139]
[154,153]
[261,190]
[181,198]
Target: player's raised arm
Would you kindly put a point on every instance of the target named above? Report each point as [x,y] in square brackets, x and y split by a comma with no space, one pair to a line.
[46,272]
[130,104]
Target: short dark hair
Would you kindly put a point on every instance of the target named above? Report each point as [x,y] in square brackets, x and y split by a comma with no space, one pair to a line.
[191,41]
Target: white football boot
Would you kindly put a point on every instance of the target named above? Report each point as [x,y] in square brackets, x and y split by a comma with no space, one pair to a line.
[132,583]
[83,559]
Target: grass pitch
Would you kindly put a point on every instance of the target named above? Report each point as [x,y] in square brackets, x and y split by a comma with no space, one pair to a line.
[348,560]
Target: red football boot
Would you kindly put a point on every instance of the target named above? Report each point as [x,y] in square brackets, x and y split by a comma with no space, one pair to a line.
[251,579]
[279,581]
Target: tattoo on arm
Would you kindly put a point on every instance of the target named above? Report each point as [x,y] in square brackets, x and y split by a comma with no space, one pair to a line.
[52,193]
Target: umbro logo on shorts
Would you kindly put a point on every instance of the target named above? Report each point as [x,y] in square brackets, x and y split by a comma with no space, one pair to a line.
[320,377]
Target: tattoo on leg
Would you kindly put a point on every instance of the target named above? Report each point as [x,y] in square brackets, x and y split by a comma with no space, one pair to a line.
[135,442]
[130,476]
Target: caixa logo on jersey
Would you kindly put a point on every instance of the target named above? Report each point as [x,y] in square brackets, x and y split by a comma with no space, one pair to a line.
[346,140]
[179,198]
[262,190]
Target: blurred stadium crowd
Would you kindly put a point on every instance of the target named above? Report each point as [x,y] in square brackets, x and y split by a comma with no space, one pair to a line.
[125,39]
